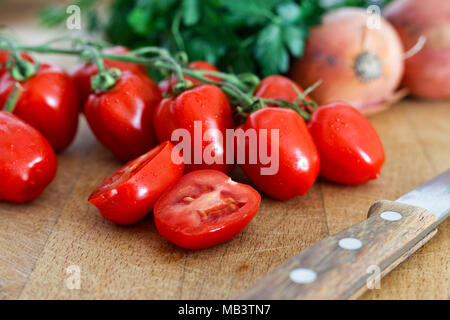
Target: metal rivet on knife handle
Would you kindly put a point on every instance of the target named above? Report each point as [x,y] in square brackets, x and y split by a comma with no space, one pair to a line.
[303,275]
[350,243]
[390,215]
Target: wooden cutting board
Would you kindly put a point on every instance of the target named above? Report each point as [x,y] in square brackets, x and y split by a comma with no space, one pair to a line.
[39,241]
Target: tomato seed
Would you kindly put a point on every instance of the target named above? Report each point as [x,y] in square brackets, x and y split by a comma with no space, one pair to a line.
[188,199]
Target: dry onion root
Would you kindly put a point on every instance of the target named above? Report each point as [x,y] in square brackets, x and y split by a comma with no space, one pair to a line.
[358,65]
[427,71]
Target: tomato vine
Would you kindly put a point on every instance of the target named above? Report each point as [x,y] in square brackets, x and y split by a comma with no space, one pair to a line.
[239,87]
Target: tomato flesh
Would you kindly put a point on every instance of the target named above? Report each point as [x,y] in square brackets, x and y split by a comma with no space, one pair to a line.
[204,208]
[128,194]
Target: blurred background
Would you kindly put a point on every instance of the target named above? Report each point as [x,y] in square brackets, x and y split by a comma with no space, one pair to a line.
[20,19]
[370,53]
[252,35]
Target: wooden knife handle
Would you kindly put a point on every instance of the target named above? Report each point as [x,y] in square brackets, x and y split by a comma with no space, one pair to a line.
[339,266]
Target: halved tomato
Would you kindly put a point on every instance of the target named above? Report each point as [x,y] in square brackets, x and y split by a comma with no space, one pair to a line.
[204,208]
[128,194]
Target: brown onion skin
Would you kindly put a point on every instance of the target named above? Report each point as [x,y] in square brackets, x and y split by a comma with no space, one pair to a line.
[427,73]
[332,51]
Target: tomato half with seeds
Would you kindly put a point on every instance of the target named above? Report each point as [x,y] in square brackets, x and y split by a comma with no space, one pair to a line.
[204,208]
[128,194]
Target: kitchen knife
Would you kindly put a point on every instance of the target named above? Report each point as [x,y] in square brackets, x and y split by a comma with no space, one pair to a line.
[347,263]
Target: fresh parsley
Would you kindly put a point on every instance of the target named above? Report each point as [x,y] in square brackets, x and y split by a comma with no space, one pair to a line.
[259,36]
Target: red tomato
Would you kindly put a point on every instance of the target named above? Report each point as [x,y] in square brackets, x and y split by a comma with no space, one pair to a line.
[27,161]
[3,56]
[204,208]
[278,88]
[350,149]
[298,164]
[206,104]
[122,118]
[127,195]
[48,102]
[167,84]
[84,71]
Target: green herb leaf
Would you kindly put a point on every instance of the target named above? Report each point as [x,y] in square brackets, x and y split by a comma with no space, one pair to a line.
[200,49]
[50,17]
[289,12]
[293,38]
[270,52]
[237,35]
[191,14]
[250,12]
[54,15]
[139,20]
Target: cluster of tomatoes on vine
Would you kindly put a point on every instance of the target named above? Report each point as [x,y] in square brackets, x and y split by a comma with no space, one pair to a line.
[194,205]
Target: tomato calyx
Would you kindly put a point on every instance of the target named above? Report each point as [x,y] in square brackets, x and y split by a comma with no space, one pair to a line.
[106,77]
[179,87]
[105,80]
[19,68]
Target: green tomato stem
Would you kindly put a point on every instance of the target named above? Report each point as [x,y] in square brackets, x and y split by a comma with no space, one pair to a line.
[95,55]
[13,98]
[20,69]
[11,46]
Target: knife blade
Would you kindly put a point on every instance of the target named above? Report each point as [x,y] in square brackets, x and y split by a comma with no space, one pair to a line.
[344,265]
[433,195]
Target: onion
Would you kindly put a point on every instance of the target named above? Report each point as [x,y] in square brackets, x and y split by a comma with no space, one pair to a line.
[427,72]
[358,65]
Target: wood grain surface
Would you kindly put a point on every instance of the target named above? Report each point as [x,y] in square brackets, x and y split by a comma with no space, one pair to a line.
[40,240]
